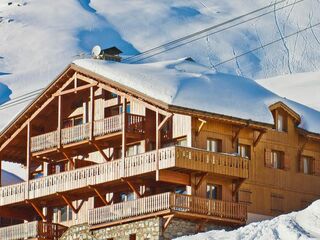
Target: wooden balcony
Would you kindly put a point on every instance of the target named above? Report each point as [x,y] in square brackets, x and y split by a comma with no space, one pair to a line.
[185,206]
[32,230]
[169,158]
[135,124]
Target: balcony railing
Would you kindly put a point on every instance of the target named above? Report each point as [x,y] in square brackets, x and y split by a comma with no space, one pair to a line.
[32,230]
[182,157]
[228,211]
[135,123]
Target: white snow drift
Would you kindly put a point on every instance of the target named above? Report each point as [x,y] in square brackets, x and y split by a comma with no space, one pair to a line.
[302,225]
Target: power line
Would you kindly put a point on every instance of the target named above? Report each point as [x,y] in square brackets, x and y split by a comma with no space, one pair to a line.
[268,44]
[204,30]
[218,31]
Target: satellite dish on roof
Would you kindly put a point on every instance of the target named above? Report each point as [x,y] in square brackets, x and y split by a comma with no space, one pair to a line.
[96,50]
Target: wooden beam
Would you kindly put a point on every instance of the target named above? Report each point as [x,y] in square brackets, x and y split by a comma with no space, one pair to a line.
[167,222]
[100,195]
[36,208]
[69,202]
[75,89]
[59,122]
[237,186]
[108,159]
[202,178]
[261,133]
[132,187]
[174,177]
[69,159]
[164,121]
[201,125]
[91,112]
[0,172]
[124,131]
[28,157]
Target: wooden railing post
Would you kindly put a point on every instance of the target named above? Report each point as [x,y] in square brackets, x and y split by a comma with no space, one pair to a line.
[157,144]
[91,113]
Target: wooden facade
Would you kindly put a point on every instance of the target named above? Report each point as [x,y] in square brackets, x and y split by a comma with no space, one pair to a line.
[98,152]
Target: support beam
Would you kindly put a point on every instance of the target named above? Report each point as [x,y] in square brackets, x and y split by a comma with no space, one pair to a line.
[91,112]
[28,157]
[75,89]
[100,195]
[37,209]
[136,191]
[202,178]
[261,133]
[59,122]
[238,184]
[167,222]
[124,132]
[68,158]
[164,121]
[174,177]
[69,202]
[108,159]
[0,172]
[201,125]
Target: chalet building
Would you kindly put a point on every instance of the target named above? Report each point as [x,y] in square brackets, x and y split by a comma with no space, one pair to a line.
[155,151]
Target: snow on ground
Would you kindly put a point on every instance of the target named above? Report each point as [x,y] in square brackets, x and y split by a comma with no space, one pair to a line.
[8,178]
[188,84]
[300,225]
[300,87]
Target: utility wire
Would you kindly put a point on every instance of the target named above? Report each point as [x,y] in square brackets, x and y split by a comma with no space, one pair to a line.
[218,31]
[203,31]
[267,44]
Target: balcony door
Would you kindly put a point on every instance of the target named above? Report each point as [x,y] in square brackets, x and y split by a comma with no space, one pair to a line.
[73,121]
[214,191]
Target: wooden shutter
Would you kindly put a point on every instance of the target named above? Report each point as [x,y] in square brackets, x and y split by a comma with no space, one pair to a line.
[267,158]
[286,161]
[317,167]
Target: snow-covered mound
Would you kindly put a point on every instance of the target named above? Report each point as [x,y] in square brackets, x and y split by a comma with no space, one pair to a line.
[40,37]
[300,225]
[8,178]
[191,85]
[300,87]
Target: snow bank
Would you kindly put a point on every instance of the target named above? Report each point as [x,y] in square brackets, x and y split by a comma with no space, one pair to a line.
[8,178]
[301,87]
[188,84]
[300,225]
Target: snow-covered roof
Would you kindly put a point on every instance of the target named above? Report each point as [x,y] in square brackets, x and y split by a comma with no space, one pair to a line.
[190,85]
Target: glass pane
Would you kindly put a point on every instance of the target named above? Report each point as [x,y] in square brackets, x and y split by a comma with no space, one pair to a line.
[280,123]
[78,121]
[209,191]
[305,165]
[64,214]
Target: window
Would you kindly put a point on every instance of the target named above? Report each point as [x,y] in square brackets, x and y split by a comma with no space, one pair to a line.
[281,123]
[277,159]
[244,151]
[307,165]
[214,191]
[181,190]
[73,121]
[127,196]
[133,150]
[214,145]
[277,204]
[244,196]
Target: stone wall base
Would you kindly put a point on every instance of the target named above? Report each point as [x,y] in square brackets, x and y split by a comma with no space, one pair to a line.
[152,229]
